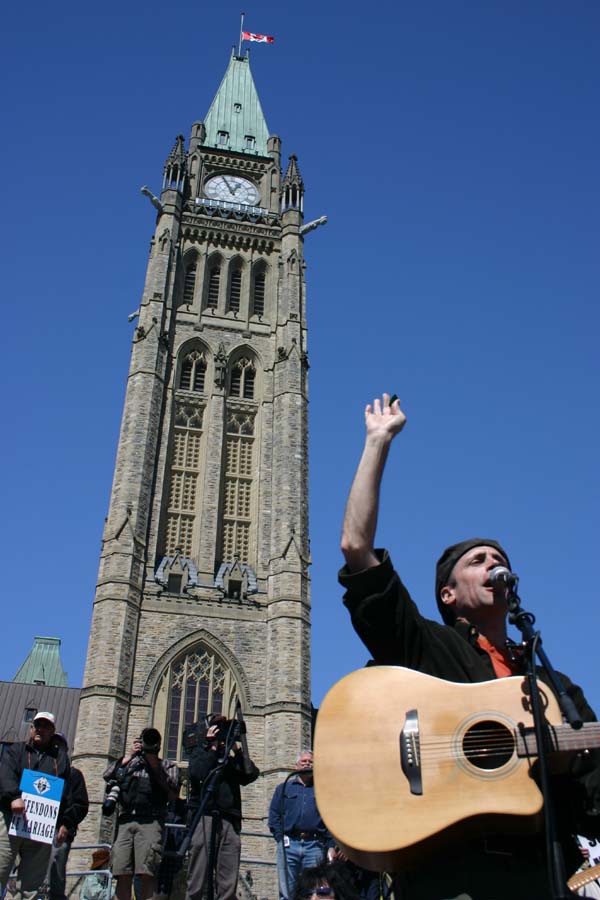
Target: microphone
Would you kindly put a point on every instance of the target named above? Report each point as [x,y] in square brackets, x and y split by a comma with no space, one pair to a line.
[501,577]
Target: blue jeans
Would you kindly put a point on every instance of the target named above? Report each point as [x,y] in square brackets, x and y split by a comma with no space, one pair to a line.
[301,854]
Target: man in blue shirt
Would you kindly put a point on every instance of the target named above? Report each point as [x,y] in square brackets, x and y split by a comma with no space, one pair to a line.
[297,826]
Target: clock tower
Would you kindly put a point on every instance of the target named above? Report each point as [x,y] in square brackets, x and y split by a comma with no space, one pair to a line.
[203,587]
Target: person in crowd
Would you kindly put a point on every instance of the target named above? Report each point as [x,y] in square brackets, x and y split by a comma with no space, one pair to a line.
[77,813]
[327,881]
[296,824]
[144,783]
[41,753]
[215,778]
[471,646]
[95,885]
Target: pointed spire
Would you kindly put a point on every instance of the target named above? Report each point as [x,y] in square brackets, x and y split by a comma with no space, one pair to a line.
[235,120]
[43,664]
[175,168]
[293,176]
[292,187]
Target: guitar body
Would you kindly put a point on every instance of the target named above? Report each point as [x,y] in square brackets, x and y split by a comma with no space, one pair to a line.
[405,762]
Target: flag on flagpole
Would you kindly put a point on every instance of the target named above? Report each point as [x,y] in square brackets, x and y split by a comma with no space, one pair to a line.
[261,38]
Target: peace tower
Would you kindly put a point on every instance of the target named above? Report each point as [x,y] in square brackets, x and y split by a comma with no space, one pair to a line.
[203,584]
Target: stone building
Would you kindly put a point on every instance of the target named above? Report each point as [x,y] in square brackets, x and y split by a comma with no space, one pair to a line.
[203,586]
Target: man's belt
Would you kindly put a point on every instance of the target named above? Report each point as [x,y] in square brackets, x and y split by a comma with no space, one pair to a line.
[306,835]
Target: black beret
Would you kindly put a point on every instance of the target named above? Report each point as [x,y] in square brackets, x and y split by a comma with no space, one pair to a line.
[446,563]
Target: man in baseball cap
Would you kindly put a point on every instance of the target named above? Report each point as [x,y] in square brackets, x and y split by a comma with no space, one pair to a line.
[43,753]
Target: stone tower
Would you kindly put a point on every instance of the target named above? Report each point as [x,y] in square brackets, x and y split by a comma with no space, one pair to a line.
[203,585]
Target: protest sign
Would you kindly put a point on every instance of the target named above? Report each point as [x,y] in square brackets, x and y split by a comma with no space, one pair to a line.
[41,794]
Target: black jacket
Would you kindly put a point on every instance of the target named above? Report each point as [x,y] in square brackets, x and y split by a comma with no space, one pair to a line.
[53,761]
[79,801]
[390,625]
[227,797]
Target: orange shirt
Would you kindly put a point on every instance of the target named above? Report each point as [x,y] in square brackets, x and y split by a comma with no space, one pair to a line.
[501,661]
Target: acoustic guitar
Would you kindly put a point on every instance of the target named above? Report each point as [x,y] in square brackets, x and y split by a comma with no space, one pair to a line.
[405,763]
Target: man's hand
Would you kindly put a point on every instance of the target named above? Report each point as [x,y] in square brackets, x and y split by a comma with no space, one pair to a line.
[384,422]
[136,748]
[212,734]
[18,807]
[61,835]
[384,419]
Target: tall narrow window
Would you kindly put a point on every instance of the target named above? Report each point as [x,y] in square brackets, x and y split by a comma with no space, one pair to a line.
[185,468]
[249,384]
[242,379]
[214,279]
[193,372]
[235,291]
[258,294]
[189,283]
[235,542]
[195,685]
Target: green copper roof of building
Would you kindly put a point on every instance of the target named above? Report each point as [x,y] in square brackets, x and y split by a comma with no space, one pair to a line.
[235,120]
[43,664]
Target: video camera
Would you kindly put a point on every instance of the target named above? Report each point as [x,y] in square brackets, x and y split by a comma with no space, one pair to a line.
[228,729]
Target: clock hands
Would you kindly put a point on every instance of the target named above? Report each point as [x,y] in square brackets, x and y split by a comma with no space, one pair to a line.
[233,189]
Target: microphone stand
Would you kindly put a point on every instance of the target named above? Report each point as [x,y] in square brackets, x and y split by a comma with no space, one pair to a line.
[532,644]
[210,787]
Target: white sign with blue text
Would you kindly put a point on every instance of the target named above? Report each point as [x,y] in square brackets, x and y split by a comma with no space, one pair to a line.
[41,794]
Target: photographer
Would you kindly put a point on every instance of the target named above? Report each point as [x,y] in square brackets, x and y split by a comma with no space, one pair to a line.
[218,766]
[141,784]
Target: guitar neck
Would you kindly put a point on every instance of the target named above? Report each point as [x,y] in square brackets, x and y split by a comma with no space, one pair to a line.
[562,737]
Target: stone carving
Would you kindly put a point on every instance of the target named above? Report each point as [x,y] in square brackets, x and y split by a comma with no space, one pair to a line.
[164,238]
[145,190]
[310,226]
[220,366]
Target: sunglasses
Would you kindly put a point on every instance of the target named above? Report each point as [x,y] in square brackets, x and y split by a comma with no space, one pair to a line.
[318,892]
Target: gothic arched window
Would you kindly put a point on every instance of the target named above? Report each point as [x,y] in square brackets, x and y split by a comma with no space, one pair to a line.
[195,685]
[193,372]
[189,283]
[214,280]
[258,293]
[243,375]
[183,478]
[237,506]
[235,290]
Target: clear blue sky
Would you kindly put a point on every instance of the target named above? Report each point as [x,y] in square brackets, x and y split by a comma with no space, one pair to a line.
[454,149]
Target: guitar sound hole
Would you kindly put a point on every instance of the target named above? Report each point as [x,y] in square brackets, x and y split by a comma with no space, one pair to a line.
[488,745]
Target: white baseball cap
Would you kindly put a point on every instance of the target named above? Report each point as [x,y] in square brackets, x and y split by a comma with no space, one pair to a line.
[48,716]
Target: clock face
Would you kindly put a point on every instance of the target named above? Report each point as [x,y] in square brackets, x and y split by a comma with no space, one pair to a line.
[231,188]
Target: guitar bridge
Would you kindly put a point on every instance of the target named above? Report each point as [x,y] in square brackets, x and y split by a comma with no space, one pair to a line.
[410,751]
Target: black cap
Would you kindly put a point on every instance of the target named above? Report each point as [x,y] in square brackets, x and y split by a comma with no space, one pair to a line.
[446,563]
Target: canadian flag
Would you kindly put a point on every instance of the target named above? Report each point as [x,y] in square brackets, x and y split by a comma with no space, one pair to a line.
[261,38]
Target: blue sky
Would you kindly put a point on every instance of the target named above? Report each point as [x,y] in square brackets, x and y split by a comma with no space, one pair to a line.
[454,149]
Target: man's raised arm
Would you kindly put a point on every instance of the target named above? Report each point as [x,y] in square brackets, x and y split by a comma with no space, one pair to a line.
[383,422]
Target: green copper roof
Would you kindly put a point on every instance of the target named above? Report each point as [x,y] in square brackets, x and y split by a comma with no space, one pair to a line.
[236,114]
[43,664]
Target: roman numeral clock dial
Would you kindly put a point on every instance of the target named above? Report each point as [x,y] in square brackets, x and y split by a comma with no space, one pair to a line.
[231,188]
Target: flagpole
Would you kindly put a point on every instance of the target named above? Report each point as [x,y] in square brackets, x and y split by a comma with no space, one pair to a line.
[241,32]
